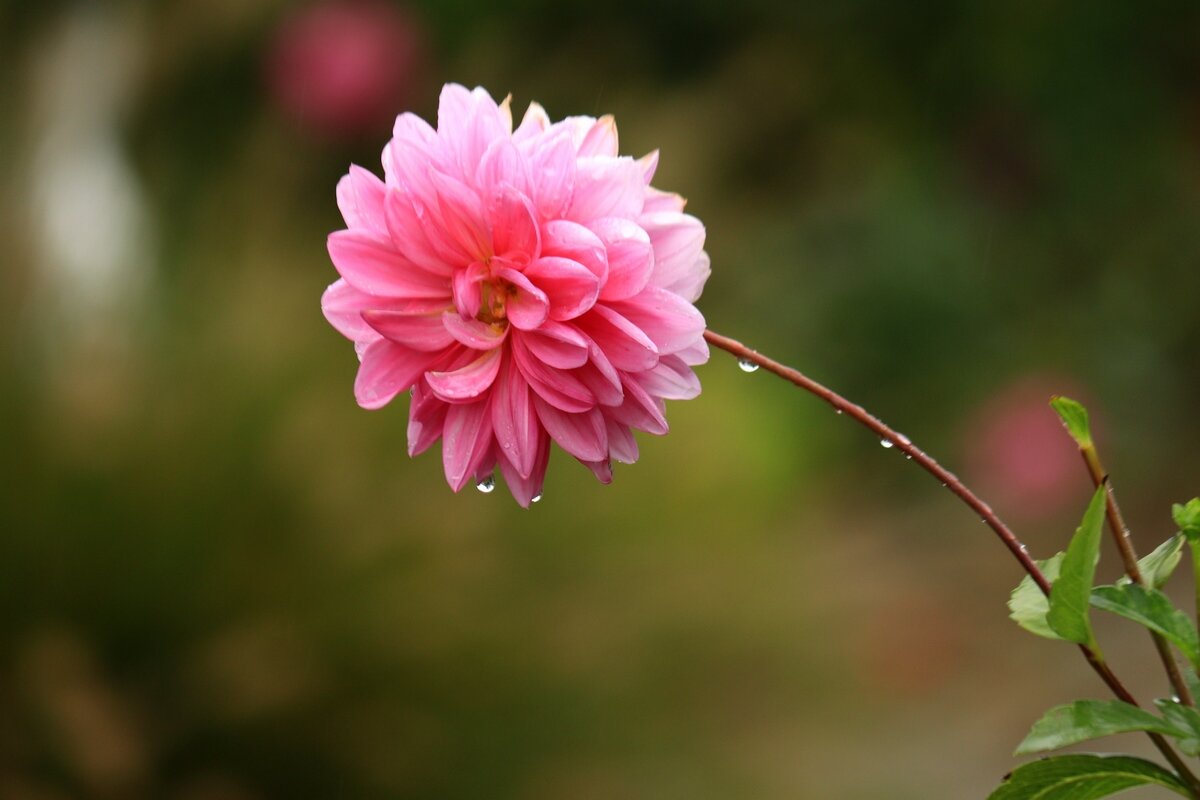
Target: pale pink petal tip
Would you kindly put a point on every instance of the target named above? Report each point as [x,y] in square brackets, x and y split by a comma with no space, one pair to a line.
[528,285]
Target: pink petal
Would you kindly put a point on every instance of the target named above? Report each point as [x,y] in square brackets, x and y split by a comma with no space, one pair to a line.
[426,417]
[466,441]
[418,331]
[386,370]
[515,230]
[369,265]
[525,489]
[342,305]
[410,135]
[641,411]
[552,174]
[466,383]
[570,287]
[502,166]
[468,122]
[557,387]
[621,444]
[468,295]
[601,138]
[535,121]
[626,346]
[575,127]
[474,333]
[630,257]
[601,377]
[581,435]
[360,199]
[606,187]
[529,307]
[694,354]
[657,201]
[601,469]
[574,241]
[671,322]
[558,345]
[678,241]
[514,419]
[409,236]
[649,165]
[691,285]
[671,379]
[461,218]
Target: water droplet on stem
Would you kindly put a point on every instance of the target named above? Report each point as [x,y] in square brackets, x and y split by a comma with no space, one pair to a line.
[887,444]
[746,365]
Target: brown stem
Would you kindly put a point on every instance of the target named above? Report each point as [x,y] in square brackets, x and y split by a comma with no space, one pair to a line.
[1124,541]
[951,482]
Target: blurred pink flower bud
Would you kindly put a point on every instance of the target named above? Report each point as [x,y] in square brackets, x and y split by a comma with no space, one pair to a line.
[529,286]
[1020,454]
[341,68]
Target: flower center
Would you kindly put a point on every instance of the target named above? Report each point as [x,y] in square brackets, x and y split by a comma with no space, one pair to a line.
[494,296]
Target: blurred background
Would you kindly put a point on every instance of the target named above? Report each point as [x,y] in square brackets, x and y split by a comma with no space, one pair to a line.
[222,580]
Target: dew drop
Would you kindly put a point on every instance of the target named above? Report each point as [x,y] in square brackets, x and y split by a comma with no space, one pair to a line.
[487,485]
[908,456]
[746,365]
[837,411]
[537,498]
[886,444]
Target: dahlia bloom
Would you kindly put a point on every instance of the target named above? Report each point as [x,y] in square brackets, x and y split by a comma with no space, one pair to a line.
[527,285]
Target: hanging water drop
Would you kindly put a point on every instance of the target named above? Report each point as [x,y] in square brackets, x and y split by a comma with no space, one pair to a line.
[837,411]
[487,485]
[908,456]
[537,498]
[746,365]
[886,444]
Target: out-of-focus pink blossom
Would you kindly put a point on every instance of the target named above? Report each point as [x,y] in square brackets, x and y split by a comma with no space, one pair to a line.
[528,285]
[341,68]
[1020,453]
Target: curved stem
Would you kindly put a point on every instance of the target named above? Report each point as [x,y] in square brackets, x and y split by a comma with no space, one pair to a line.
[951,482]
[1124,541]
[899,440]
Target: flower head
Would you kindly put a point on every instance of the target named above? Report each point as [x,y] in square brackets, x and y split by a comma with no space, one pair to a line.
[528,285]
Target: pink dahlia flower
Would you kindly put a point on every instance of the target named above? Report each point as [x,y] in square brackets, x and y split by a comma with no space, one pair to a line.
[528,285]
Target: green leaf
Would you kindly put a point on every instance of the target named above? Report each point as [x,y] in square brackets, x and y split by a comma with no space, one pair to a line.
[1088,719]
[1187,517]
[1083,777]
[1068,615]
[1157,567]
[1075,417]
[1186,721]
[1028,605]
[1152,609]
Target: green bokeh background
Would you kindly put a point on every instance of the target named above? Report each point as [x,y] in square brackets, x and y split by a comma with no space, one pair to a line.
[221,579]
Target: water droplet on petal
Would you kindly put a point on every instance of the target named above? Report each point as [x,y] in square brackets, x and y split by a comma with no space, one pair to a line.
[746,365]
[886,444]
[487,485]
[537,498]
